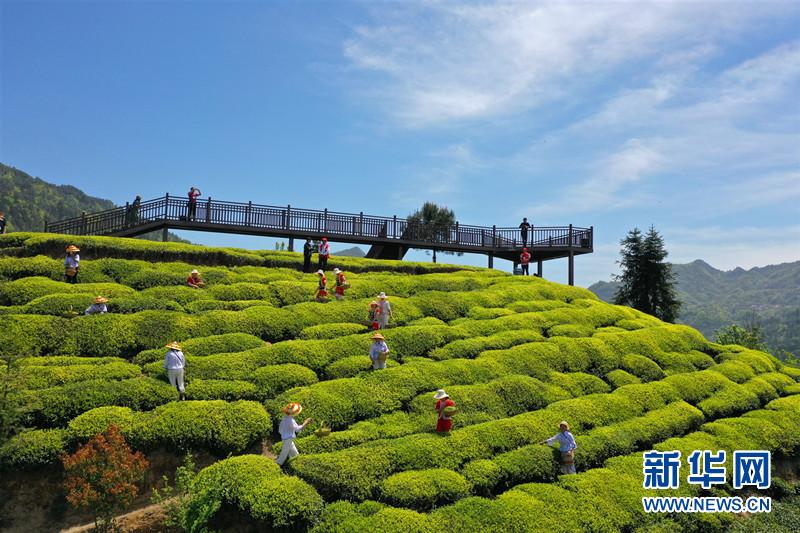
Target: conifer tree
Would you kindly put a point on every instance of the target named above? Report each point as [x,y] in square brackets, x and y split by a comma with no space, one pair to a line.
[647,283]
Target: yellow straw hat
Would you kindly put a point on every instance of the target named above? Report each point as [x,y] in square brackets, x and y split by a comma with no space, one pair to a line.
[100,300]
[73,248]
[292,409]
[378,337]
[174,345]
[564,424]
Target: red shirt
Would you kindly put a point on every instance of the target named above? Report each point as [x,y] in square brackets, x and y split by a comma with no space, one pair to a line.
[193,194]
[191,280]
[525,258]
[441,407]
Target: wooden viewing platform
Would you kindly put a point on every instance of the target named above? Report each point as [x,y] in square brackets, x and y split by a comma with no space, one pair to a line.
[389,237]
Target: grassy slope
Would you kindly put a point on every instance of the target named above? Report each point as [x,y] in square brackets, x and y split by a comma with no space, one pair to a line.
[517,355]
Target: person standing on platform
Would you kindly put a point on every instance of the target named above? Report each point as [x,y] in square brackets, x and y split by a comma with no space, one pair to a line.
[445,422]
[174,364]
[72,264]
[324,253]
[523,231]
[194,193]
[3,223]
[386,310]
[308,252]
[524,261]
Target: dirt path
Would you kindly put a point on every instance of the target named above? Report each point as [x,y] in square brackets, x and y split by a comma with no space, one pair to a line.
[145,520]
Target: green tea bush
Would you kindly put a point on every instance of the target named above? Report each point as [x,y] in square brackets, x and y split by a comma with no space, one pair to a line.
[203,346]
[283,293]
[472,347]
[40,377]
[239,291]
[58,405]
[427,321]
[200,306]
[642,367]
[27,335]
[67,360]
[217,426]
[12,268]
[352,366]
[424,489]
[221,389]
[483,475]
[274,379]
[138,304]
[33,448]
[618,378]
[57,304]
[183,295]
[485,313]
[22,291]
[254,484]
[331,331]
[569,330]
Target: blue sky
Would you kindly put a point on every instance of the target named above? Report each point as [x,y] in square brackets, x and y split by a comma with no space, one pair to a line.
[678,114]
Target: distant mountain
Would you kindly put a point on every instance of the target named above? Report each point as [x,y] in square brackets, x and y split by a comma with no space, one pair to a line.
[714,298]
[27,202]
[355,251]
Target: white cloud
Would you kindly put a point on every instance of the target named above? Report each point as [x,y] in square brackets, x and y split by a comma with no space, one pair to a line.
[439,62]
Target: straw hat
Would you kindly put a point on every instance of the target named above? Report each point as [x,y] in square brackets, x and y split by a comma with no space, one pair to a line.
[440,394]
[194,271]
[174,346]
[337,271]
[72,248]
[382,296]
[321,272]
[373,303]
[564,424]
[100,300]
[292,409]
[377,337]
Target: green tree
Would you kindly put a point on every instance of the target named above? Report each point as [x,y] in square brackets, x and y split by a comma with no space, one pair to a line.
[646,283]
[175,499]
[432,223]
[749,336]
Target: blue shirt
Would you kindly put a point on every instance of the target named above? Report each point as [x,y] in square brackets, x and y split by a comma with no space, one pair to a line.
[565,439]
[96,308]
[72,260]
[175,360]
[377,349]
[288,428]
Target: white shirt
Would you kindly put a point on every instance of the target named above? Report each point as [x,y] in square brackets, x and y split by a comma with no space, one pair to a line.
[288,428]
[376,349]
[175,360]
[72,261]
[565,439]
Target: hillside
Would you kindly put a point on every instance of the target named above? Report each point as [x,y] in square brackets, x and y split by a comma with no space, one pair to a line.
[27,202]
[714,298]
[516,354]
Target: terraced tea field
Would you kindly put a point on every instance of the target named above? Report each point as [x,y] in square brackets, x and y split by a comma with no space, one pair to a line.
[517,355]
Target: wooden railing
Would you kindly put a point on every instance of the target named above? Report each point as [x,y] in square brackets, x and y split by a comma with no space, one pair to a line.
[307,222]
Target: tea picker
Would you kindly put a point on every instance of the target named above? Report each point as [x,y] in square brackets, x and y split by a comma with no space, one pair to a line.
[378,352]
[194,280]
[446,408]
[341,284]
[289,428]
[567,447]
[322,288]
[386,310]
[72,264]
[98,307]
[174,364]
